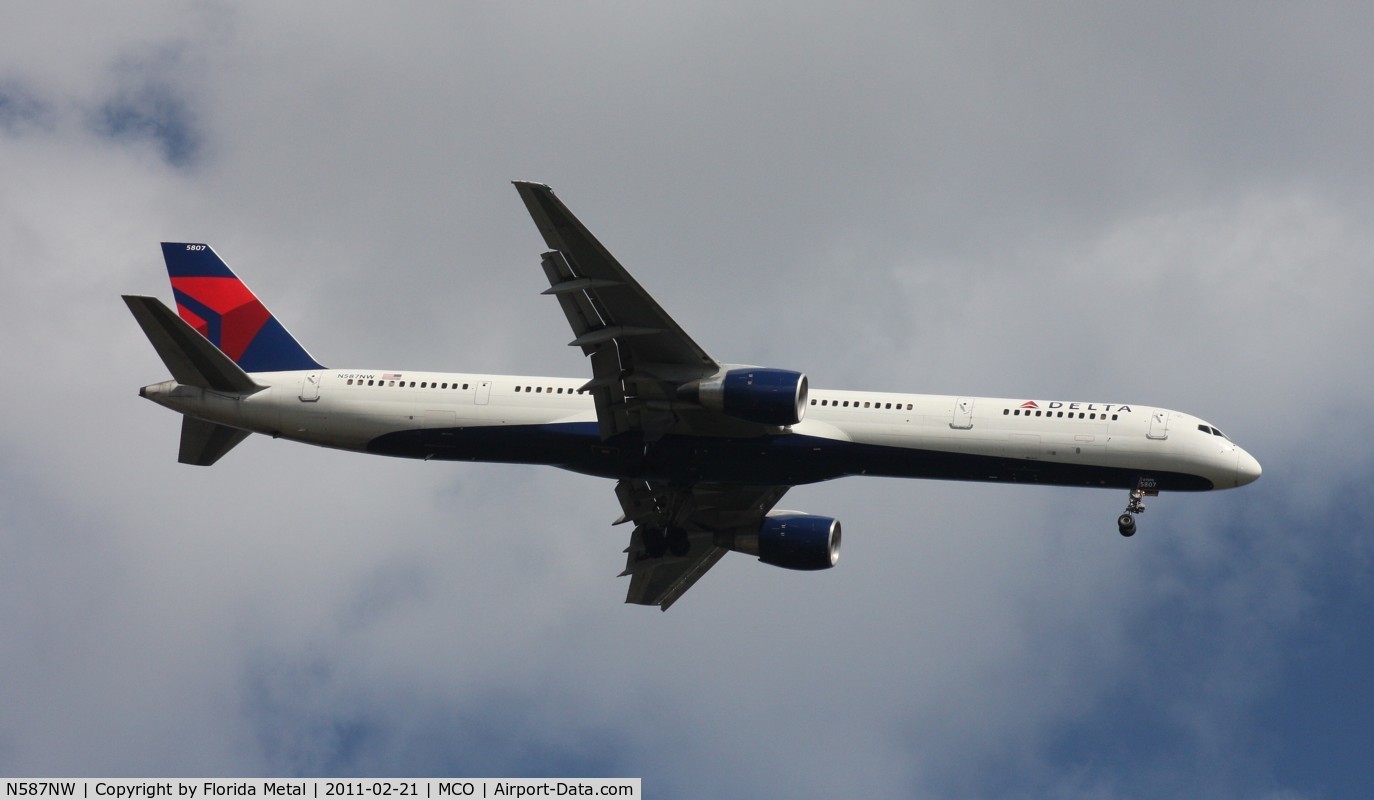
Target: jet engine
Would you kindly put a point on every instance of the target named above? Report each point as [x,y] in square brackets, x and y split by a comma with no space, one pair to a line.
[753,394]
[792,540]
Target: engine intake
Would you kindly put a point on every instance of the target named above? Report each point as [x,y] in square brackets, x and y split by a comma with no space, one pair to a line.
[792,540]
[753,394]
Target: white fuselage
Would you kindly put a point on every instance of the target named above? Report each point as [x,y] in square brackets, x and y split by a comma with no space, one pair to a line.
[529,419]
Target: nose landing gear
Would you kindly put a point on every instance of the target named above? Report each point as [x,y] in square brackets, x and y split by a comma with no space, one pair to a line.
[1136,505]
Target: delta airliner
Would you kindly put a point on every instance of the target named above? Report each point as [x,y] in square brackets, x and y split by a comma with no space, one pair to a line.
[701,451]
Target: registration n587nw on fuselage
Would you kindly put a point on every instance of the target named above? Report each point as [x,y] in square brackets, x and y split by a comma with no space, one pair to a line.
[701,450]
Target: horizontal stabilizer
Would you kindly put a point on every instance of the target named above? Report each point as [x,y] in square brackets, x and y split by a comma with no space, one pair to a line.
[203,443]
[190,357]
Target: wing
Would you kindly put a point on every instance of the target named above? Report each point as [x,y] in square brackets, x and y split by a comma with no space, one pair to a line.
[640,356]
[679,532]
[640,360]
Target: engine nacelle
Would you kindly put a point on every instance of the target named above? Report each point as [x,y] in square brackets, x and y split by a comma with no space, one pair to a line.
[753,394]
[792,540]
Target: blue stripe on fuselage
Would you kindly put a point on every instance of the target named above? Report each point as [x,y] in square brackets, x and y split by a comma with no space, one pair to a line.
[786,459]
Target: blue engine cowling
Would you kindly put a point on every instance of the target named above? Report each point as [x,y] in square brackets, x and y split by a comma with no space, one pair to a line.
[792,540]
[754,394]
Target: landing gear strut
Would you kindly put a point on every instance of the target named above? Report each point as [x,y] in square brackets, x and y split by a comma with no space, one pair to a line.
[1136,505]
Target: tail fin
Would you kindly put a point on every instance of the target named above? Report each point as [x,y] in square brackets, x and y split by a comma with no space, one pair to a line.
[212,299]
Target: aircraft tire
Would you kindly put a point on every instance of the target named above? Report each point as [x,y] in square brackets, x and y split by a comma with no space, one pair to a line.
[678,543]
[655,542]
[1126,524]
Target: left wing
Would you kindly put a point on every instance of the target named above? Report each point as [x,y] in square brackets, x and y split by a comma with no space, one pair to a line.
[641,362]
[640,357]
[682,531]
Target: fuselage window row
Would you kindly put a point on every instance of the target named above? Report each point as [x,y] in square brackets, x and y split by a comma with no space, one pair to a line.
[855,404]
[1016,412]
[402,384]
[547,390]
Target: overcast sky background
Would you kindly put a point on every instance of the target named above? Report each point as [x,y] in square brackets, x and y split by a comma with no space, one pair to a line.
[1145,203]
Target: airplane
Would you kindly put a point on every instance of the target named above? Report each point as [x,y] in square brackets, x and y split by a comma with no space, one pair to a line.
[701,450]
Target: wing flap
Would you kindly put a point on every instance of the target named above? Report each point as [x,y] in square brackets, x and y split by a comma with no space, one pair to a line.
[665,580]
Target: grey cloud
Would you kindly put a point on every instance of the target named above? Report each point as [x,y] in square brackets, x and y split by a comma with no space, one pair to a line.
[1148,204]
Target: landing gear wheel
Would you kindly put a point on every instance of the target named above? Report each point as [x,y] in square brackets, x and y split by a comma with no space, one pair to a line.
[678,543]
[655,542]
[1145,487]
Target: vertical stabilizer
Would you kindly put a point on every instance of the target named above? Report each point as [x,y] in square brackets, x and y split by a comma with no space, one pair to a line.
[214,301]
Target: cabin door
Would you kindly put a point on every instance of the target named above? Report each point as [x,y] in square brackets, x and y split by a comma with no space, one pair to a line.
[963,414]
[1159,425]
[310,388]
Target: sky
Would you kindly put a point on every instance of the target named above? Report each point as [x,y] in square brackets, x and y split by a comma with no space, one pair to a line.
[1150,203]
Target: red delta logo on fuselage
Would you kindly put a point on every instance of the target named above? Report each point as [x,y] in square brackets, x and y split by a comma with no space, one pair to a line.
[1059,404]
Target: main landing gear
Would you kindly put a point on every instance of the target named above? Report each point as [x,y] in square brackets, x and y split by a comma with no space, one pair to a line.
[659,542]
[1136,505]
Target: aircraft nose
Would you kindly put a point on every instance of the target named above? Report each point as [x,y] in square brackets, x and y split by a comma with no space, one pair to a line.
[1247,468]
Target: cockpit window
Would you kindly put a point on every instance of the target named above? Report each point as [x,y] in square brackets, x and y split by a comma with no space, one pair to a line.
[1213,431]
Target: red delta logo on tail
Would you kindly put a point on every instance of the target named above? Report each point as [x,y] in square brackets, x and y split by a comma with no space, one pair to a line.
[214,301]
[223,310]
